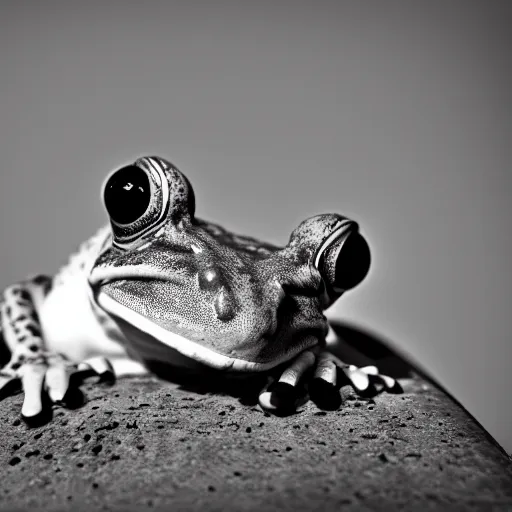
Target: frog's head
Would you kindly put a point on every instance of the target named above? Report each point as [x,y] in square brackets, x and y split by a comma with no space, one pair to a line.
[174,284]
[335,248]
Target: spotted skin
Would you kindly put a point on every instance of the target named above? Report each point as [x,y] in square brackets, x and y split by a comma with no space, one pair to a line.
[20,322]
[172,288]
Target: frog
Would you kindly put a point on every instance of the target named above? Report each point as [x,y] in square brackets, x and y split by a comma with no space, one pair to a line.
[157,284]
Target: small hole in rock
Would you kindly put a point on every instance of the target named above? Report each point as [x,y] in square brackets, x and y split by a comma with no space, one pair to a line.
[97,449]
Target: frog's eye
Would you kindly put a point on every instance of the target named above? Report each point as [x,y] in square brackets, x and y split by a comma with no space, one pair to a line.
[137,200]
[127,194]
[344,263]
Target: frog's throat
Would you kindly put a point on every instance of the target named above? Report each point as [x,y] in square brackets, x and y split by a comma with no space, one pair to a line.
[184,346]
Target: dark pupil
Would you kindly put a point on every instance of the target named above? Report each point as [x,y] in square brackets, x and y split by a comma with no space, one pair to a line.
[353,262]
[127,194]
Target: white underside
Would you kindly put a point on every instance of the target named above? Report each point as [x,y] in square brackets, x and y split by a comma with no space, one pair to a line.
[78,330]
[184,346]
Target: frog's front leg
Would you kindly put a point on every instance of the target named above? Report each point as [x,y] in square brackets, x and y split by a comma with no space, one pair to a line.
[323,374]
[43,376]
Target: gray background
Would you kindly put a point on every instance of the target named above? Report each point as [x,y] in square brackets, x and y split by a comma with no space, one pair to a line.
[394,113]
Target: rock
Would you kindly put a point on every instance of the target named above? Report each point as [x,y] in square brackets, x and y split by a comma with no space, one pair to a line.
[146,444]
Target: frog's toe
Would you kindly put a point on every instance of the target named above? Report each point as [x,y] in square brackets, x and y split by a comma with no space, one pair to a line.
[360,379]
[388,383]
[282,396]
[58,376]
[28,377]
[367,381]
[323,389]
[35,410]
[47,381]
[99,367]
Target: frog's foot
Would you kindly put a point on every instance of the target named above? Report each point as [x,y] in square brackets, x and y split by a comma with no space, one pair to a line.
[48,379]
[323,374]
[96,366]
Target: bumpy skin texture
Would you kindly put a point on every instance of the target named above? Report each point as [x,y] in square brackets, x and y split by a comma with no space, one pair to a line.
[162,286]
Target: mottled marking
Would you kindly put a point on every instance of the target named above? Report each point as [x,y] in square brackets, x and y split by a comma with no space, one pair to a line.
[33,330]
[25,295]
[40,279]
[20,318]
[45,282]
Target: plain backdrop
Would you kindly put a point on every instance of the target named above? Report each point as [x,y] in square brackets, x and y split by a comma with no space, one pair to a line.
[397,114]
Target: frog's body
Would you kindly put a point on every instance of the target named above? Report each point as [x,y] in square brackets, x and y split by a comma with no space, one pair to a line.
[159,285]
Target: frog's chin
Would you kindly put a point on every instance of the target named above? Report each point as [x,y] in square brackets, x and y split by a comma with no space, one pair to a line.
[143,333]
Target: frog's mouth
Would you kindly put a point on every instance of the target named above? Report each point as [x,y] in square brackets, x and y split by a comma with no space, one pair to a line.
[128,295]
[144,332]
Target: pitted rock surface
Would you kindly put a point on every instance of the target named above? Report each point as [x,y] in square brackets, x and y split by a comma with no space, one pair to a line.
[144,444]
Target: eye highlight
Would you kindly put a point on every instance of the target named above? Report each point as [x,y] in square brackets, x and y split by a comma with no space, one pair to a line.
[136,198]
[127,194]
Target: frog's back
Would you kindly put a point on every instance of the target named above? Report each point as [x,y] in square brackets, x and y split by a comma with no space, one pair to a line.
[257,249]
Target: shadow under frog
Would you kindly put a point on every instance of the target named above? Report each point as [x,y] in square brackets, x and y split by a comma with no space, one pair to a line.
[354,345]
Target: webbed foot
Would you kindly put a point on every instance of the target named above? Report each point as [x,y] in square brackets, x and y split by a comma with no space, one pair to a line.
[321,374]
[48,380]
